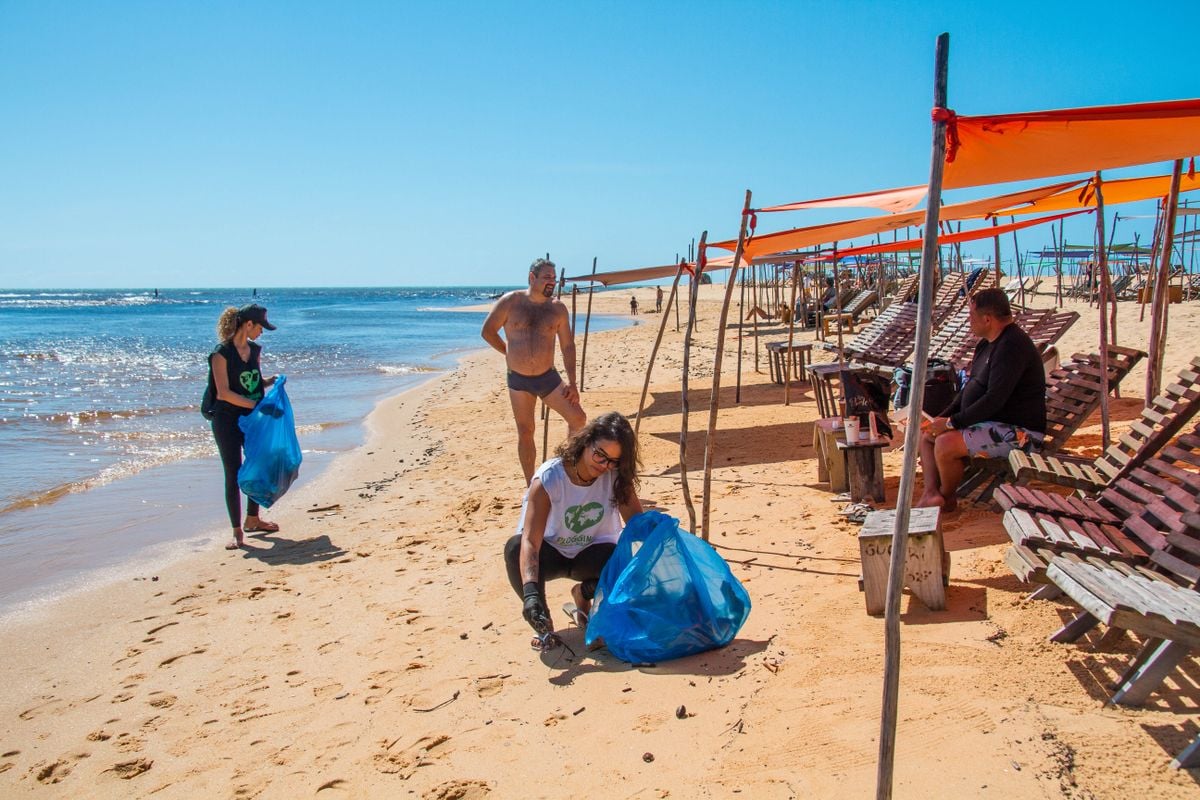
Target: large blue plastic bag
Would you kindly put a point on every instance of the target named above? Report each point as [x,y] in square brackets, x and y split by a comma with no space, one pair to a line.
[665,594]
[273,456]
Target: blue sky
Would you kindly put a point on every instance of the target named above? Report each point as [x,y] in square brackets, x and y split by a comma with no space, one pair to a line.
[388,143]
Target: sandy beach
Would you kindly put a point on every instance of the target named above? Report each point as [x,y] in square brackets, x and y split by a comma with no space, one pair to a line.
[373,647]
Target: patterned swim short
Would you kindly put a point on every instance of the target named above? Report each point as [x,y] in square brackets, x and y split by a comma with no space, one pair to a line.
[998,439]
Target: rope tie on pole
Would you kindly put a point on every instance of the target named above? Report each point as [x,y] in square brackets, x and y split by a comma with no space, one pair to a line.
[948,116]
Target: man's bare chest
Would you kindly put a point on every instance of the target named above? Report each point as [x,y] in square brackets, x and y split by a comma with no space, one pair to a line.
[534,318]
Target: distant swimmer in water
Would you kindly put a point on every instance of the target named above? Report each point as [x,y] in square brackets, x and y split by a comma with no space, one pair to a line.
[237,376]
[531,320]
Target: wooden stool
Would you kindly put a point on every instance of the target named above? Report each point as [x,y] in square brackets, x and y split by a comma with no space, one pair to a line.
[864,467]
[844,320]
[778,354]
[831,462]
[926,566]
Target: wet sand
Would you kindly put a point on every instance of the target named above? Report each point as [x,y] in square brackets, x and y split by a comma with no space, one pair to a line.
[373,647]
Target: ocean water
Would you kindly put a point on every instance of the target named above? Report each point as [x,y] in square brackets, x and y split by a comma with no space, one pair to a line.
[107,467]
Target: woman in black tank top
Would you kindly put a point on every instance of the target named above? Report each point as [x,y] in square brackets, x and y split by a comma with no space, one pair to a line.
[237,376]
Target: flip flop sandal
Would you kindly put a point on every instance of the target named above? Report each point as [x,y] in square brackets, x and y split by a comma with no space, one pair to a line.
[856,512]
[262,527]
[578,618]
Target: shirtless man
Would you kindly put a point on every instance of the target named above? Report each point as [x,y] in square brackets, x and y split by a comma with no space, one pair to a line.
[531,320]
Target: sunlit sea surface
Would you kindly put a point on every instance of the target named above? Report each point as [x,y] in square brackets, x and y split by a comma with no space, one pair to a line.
[107,467]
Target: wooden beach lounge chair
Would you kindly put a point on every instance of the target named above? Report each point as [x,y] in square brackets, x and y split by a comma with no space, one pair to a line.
[1157,601]
[1125,523]
[1164,417]
[1072,394]
[955,343]
[904,291]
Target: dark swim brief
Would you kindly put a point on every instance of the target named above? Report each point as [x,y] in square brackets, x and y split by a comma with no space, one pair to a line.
[539,385]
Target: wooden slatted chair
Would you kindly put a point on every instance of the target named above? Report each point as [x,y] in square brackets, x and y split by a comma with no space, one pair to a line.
[1164,417]
[1072,394]
[1158,601]
[1126,523]
[955,343]
[892,325]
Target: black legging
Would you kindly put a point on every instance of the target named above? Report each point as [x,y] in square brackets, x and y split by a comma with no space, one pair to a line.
[229,444]
[585,567]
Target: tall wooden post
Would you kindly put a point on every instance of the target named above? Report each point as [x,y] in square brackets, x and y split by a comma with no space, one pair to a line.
[737,395]
[1158,314]
[996,247]
[912,436]
[715,403]
[1105,281]
[587,321]
[787,360]
[693,296]
[662,326]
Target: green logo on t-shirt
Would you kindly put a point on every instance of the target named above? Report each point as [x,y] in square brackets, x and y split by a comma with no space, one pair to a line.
[250,380]
[580,518]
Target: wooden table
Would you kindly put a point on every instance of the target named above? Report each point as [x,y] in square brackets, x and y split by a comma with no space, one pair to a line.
[926,564]
[845,321]
[778,354]
[856,467]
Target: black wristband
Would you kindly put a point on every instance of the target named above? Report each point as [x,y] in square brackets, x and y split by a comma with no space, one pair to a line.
[530,589]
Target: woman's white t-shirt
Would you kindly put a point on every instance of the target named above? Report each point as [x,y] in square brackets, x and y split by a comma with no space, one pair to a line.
[579,515]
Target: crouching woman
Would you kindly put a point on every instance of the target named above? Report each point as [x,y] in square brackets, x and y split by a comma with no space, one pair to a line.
[574,511]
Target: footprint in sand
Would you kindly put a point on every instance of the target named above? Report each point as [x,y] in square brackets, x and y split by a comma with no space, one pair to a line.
[458,790]
[162,699]
[36,711]
[173,659]
[408,760]
[56,771]
[328,690]
[99,736]
[489,686]
[127,770]
[553,720]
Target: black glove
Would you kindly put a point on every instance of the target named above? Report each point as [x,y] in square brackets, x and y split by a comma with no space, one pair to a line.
[535,611]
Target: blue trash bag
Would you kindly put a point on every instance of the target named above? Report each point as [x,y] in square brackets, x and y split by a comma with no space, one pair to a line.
[664,594]
[273,456]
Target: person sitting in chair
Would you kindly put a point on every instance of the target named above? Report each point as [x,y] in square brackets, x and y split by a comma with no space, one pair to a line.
[1001,407]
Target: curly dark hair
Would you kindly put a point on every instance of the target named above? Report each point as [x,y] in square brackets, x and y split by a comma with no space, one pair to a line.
[614,427]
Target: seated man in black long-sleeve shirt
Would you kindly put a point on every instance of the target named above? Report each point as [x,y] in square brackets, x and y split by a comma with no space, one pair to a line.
[1001,407]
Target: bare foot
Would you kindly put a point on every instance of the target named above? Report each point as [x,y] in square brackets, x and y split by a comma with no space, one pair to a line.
[237,542]
[930,500]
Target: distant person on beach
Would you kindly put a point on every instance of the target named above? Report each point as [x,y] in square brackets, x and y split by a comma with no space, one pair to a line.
[572,515]
[1001,407]
[236,373]
[633,304]
[658,296]
[531,320]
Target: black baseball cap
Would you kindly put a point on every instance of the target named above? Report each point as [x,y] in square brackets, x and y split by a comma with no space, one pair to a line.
[255,313]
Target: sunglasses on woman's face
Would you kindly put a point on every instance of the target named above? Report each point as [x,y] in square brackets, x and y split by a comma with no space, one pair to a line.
[604,458]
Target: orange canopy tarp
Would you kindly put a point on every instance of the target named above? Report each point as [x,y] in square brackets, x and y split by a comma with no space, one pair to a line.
[886,199]
[1122,190]
[953,238]
[638,274]
[1015,147]
[851,229]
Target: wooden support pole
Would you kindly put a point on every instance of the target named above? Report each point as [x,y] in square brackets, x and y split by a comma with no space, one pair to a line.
[787,360]
[662,326]
[1158,313]
[912,436]
[737,395]
[587,321]
[996,247]
[1105,280]
[693,294]
[714,404]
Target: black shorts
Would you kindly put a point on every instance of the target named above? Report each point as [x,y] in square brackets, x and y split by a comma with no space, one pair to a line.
[539,385]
